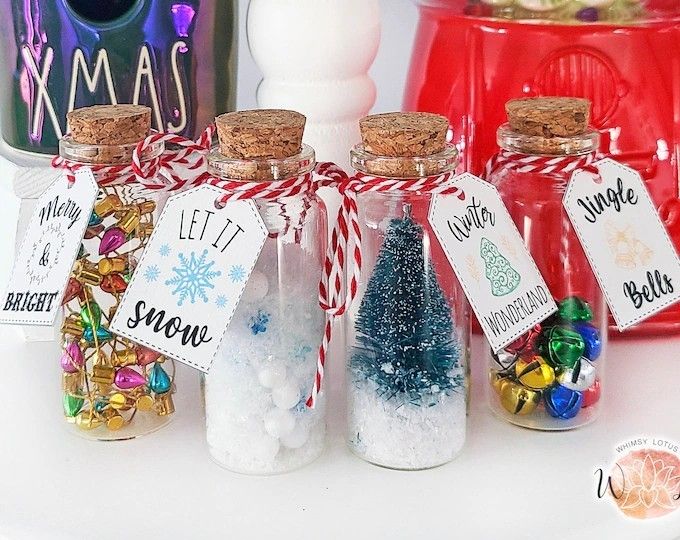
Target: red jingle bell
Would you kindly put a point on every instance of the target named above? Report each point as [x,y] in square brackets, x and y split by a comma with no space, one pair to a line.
[113,283]
[592,395]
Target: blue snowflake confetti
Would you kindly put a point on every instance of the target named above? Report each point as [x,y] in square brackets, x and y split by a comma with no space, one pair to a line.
[301,352]
[193,277]
[164,250]
[221,301]
[151,273]
[237,273]
[258,322]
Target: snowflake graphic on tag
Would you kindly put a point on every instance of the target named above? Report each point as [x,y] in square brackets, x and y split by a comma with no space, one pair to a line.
[198,261]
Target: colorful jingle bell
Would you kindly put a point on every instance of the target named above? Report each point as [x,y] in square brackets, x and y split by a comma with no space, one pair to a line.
[561,346]
[580,377]
[497,380]
[525,342]
[127,378]
[112,239]
[591,339]
[534,372]
[159,381]
[72,359]
[574,309]
[73,290]
[562,402]
[113,284]
[592,395]
[72,405]
[516,399]
[146,356]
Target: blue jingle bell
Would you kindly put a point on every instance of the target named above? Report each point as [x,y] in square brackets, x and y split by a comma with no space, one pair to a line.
[94,220]
[561,402]
[591,338]
[159,381]
[103,335]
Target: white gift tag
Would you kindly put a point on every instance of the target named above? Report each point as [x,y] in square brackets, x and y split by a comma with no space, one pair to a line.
[191,276]
[49,249]
[625,241]
[487,253]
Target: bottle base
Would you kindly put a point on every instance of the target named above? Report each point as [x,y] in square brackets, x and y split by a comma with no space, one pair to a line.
[542,421]
[135,429]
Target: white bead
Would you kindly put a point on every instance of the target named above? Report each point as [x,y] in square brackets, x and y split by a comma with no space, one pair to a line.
[286,396]
[279,422]
[257,287]
[272,375]
[264,447]
[296,438]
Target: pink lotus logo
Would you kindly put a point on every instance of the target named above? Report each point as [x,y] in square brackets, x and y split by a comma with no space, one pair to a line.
[645,481]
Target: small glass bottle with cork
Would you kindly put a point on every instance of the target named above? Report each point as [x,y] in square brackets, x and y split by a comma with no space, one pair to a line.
[112,388]
[257,418]
[408,328]
[550,378]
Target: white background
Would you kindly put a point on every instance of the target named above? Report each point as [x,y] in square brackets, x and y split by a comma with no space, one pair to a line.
[508,484]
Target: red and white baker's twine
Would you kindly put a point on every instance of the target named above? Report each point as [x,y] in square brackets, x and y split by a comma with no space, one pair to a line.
[339,284]
[527,163]
[185,153]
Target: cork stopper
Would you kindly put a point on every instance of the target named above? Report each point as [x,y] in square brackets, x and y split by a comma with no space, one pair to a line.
[110,124]
[403,145]
[260,134]
[404,134]
[550,125]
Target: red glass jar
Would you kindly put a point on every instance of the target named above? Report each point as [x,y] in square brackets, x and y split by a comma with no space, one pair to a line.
[471,56]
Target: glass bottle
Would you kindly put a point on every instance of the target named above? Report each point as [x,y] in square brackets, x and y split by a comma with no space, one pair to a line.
[550,378]
[614,52]
[408,327]
[257,420]
[113,389]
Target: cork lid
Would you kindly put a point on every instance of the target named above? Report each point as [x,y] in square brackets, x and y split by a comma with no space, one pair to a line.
[260,134]
[404,134]
[549,116]
[109,124]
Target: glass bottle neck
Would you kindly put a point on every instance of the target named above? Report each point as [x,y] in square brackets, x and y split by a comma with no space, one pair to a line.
[404,167]
[577,145]
[261,169]
[105,154]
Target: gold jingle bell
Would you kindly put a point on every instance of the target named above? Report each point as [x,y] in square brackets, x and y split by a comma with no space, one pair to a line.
[534,372]
[108,205]
[110,265]
[126,357]
[144,403]
[516,399]
[164,404]
[72,382]
[88,420]
[498,380]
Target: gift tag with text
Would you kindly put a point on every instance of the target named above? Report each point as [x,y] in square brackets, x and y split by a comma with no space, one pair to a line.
[47,252]
[487,253]
[625,241]
[191,276]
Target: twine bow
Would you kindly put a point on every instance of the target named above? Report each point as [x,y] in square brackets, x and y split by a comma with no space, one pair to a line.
[170,171]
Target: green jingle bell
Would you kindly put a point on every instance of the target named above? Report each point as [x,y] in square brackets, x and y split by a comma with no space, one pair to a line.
[516,399]
[574,309]
[91,314]
[534,372]
[561,346]
[72,405]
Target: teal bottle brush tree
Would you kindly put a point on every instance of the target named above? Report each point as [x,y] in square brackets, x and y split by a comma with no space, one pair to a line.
[405,367]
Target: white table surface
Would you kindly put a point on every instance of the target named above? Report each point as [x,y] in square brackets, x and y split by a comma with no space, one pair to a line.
[509,483]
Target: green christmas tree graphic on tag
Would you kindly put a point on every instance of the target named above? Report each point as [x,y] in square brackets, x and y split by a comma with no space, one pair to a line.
[503,277]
